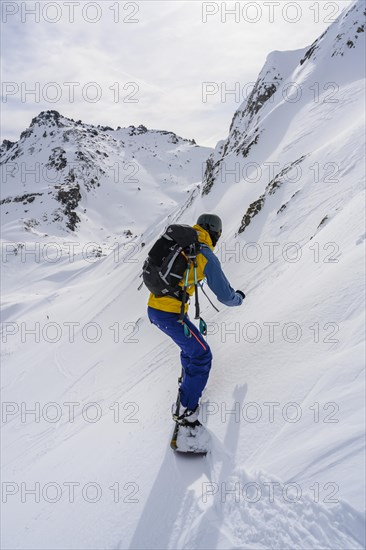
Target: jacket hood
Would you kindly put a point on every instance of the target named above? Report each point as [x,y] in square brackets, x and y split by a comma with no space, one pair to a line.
[203,236]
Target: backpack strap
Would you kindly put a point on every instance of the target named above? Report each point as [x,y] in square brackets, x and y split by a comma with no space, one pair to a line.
[169,266]
[184,296]
[192,261]
[197,305]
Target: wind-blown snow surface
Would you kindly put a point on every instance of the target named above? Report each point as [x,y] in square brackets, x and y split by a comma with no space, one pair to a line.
[287,465]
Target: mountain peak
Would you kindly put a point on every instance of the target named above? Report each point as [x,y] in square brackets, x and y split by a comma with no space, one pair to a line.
[341,36]
[48,117]
[336,58]
[73,159]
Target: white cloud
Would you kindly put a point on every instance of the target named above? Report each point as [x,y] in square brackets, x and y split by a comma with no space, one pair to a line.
[168,53]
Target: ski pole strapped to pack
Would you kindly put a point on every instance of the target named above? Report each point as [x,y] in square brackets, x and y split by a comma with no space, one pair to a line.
[169,261]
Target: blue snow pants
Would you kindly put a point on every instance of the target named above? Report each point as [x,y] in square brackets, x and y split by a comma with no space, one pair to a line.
[195,355]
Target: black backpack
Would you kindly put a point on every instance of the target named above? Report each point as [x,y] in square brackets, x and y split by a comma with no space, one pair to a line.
[168,260]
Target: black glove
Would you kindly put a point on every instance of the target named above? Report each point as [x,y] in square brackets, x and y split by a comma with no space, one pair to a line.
[241,293]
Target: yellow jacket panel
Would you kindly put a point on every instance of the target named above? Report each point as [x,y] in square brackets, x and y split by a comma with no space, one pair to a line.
[173,305]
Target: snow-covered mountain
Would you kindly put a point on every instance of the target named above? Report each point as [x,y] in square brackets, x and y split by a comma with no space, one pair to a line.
[289,80]
[88,382]
[64,176]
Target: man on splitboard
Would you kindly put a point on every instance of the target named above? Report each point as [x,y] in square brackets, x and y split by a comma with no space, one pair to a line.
[188,437]
[177,262]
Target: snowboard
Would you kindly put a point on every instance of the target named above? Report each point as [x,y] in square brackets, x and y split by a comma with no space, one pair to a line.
[190,439]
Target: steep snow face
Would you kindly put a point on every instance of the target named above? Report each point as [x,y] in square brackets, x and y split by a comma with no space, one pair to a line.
[309,75]
[293,165]
[88,382]
[64,176]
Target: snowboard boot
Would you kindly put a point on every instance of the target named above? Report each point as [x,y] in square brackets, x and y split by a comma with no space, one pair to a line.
[184,416]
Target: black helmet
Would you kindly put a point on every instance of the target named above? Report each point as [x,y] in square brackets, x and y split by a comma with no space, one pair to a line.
[212,224]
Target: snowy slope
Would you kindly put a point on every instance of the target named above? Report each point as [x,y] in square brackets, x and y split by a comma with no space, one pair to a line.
[287,465]
[94,181]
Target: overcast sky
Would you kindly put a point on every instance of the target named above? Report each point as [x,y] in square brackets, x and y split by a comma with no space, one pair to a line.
[122,63]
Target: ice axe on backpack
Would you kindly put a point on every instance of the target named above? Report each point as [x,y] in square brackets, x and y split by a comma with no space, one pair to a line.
[202,326]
